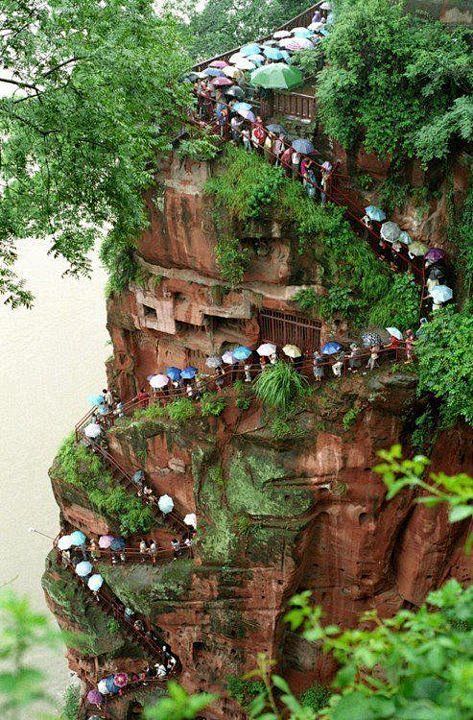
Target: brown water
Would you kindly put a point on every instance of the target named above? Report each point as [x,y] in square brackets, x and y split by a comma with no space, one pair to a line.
[52,358]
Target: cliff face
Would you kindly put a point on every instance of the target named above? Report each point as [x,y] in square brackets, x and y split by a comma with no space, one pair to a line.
[276,515]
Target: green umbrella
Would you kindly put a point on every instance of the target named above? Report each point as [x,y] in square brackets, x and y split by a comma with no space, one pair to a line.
[277,76]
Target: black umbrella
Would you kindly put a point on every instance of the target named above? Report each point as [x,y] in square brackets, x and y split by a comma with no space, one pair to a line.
[235,91]
[436,272]
[276,129]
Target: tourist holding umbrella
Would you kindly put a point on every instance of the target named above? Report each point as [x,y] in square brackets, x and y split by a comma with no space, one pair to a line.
[318,366]
[258,134]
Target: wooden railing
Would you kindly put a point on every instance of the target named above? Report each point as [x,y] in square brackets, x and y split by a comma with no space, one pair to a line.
[294,104]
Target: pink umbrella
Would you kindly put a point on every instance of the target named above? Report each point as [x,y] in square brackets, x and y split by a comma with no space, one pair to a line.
[121,679]
[247,114]
[94,697]
[218,64]
[297,44]
[222,82]
[105,541]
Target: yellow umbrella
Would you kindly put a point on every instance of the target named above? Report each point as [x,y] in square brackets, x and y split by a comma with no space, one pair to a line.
[292,351]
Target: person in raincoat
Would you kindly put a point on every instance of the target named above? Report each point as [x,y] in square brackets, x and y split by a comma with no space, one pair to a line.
[296,162]
[278,149]
[354,362]
[153,551]
[236,126]
[318,366]
[268,148]
[286,160]
[317,16]
[143,550]
[337,367]
[246,138]
[94,550]
[258,134]
[409,344]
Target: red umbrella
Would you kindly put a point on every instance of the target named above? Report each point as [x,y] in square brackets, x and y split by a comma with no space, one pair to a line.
[218,63]
[221,82]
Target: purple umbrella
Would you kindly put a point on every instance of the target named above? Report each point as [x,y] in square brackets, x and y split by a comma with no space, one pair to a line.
[247,114]
[94,697]
[218,64]
[434,254]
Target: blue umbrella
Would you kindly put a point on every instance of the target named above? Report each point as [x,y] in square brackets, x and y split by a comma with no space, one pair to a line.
[303,146]
[214,72]
[117,544]
[242,106]
[257,59]
[302,32]
[251,49]
[110,683]
[96,400]
[78,538]
[241,352]
[189,373]
[174,373]
[273,53]
[286,56]
[83,568]
[331,348]
[324,32]
[375,213]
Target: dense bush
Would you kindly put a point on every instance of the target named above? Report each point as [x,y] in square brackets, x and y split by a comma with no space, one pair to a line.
[212,404]
[182,410]
[400,84]
[306,299]
[80,467]
[232,260]
[316,697]
[445,361]
[280,385]
[243,691]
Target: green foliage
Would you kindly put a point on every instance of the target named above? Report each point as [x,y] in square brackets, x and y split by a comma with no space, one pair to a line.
[181,411]
[218,537]
[316,697]
[212,404]
[174,580]
[460,232]
[247,187]
[71,700]
[21,630]
[202,148]
[243,691]
[179,705]
[456,490]
[243,393]
[113,626]
[445,362]
[221,25]
[94,99]
[80,467]
[306,299]
[399,83]
[232,260]
[423,436]
[399,306]
[154,411]
[350,417]
[414,665]
[280,385]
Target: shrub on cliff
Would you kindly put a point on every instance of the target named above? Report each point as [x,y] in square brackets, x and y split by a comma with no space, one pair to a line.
[398,83]
[212,404]
[182,410]
[280,385]
[445,362]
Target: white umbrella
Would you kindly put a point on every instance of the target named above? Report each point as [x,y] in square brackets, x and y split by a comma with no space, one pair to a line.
[191,519]
[292,351]
[326,6]
[266,349]
[159,381]
[235,57]
[245,64]
[228,358]
[441,293]
[93,430]
[64,542]
[166,504]
[395,332]
[390,231]
[83,568]
[316,25]
[417,248]
[102,687]
[95,582]
[231,72]
[279,34]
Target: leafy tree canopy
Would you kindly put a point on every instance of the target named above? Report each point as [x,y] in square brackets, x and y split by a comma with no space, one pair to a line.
[93,95]
[401,84]
[445,355]
[221,25]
